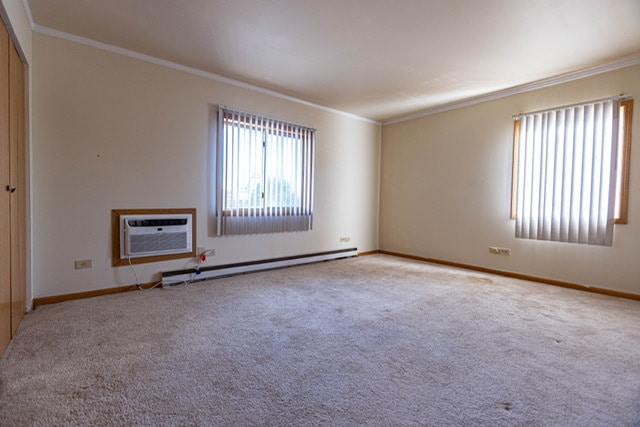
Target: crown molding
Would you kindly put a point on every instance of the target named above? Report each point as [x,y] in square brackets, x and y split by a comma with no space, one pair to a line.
[27,12]
[190,70]
[527,87]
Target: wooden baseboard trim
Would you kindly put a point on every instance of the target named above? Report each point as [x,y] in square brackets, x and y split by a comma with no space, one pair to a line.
[530,278]
[87,294]
[108,291]
[368,253]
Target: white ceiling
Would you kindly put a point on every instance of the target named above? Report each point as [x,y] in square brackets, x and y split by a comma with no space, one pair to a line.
[378,59]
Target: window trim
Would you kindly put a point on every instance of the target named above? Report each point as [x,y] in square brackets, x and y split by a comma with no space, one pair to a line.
[242,220]
[514,168]
[624,144]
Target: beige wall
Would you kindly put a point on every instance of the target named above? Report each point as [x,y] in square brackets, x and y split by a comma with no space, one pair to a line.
[446,182]
[113,132]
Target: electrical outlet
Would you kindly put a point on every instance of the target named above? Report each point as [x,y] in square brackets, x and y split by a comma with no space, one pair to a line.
[83,263]
[210,252]
[345,239]
[499,251]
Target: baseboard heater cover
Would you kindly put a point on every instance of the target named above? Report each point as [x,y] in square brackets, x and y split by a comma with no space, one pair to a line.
[212,272]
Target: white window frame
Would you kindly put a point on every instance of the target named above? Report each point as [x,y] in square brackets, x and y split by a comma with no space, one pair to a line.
[264,174]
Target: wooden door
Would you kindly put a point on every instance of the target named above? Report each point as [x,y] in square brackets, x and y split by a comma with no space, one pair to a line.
[5,195]
[18,181]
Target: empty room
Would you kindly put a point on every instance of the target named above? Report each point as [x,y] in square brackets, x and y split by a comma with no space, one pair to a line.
[320,212]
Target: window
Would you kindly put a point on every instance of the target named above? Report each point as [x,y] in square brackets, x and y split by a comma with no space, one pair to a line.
[264,174]
[571,172]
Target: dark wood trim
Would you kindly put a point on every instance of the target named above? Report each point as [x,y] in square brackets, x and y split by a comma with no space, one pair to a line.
[88,294]
[530,278]
[116,261]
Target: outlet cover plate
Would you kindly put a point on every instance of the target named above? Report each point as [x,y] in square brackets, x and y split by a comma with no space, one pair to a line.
[83,263]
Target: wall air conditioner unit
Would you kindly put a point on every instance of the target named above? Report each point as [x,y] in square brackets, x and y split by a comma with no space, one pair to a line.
[156,234]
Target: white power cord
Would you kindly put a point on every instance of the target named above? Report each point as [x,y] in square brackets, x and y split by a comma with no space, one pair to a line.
[160,283]
[134,271]
[138,285]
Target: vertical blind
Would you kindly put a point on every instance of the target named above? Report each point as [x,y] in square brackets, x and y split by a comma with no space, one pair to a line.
[264,174]
[565,171]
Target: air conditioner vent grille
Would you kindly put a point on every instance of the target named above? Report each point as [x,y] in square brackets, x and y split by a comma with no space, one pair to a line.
[158,242]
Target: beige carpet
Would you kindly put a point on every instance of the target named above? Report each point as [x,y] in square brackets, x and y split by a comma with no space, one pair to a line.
[374,340]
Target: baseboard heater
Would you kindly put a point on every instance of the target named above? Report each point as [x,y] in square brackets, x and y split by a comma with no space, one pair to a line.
[215,271]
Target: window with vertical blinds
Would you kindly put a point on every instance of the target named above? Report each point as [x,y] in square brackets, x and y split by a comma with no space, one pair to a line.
[264,179]
[565,172]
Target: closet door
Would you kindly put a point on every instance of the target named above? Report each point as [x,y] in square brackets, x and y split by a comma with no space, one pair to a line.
[18,197]
[5,195]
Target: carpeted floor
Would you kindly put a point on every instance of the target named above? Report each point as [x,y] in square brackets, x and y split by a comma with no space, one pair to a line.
[375,340]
